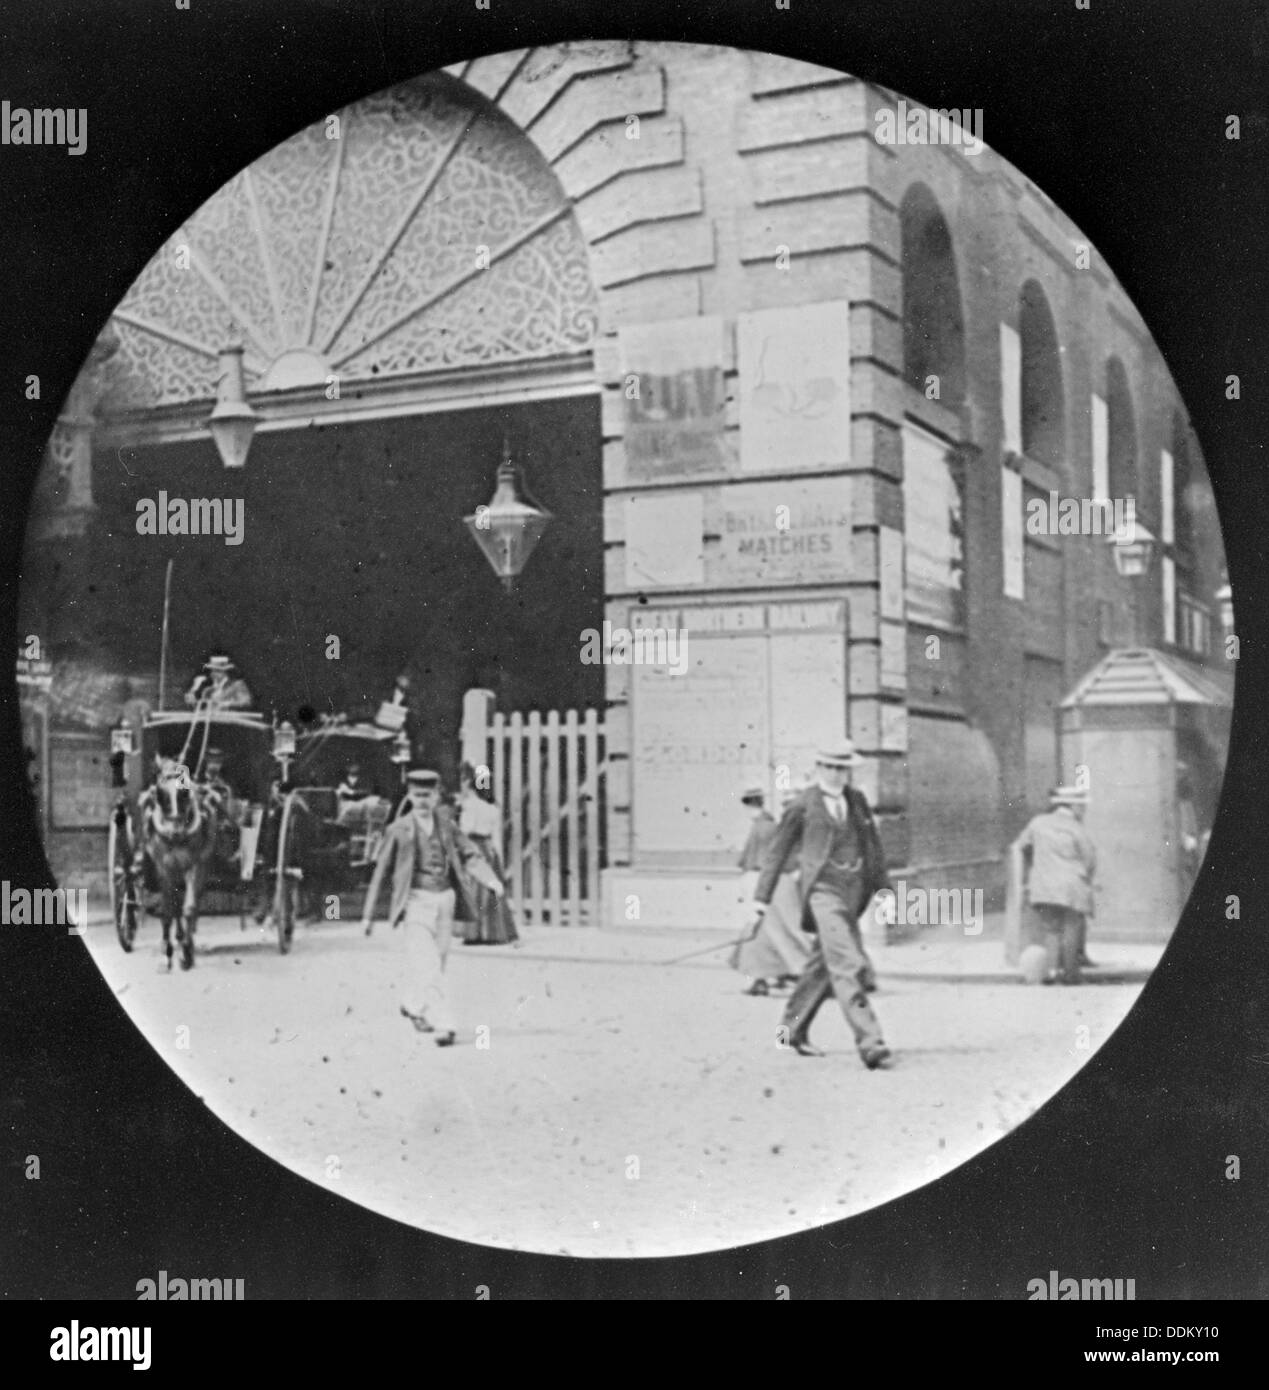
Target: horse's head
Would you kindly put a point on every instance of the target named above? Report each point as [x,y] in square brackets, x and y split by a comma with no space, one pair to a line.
[177,806]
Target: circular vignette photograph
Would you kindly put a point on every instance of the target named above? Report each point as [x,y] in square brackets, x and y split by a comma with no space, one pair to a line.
[624,650]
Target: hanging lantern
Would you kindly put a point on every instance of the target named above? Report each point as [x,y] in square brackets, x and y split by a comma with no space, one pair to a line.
[121,738]
[1225,606]
[233,421]
[1133,557]
[401,748]
[284,740]
[509,528]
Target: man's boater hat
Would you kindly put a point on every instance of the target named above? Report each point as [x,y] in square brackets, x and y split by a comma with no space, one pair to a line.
[840,755]
[219,662]
[1068,796]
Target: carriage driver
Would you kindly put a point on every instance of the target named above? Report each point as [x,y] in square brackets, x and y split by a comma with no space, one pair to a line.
[216,687]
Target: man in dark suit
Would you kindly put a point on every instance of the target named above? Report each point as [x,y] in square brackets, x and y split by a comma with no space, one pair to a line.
[829,835]
[429,889]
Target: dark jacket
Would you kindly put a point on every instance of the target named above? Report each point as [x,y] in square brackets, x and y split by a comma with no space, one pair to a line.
[804,838]
[461,856]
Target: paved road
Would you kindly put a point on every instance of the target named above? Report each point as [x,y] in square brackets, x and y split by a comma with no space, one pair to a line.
[601,1101]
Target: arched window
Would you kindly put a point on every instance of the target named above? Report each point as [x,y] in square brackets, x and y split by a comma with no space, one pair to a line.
[933,323]
[1121,433]
[1043,401]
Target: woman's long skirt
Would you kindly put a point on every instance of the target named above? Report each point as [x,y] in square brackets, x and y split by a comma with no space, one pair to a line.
[495,924]
[779,946]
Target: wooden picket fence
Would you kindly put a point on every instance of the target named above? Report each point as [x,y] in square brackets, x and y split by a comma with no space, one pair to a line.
[547,775]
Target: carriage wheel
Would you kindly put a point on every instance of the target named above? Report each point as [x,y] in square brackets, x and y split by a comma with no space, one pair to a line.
[125,905]
[285,886]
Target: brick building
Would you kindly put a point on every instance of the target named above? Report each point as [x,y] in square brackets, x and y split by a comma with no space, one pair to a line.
[784,387]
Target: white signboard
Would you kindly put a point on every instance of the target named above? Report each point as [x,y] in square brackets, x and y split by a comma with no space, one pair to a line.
[933,516]
[794,387]
[766,687]
[808,701]
[699,738]
[783,533]
[664,547]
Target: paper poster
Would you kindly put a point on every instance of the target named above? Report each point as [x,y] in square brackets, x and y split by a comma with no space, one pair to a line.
[675,399]
[794,387]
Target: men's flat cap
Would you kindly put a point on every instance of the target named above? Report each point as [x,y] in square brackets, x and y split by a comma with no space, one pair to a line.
[840,755]
[423,777]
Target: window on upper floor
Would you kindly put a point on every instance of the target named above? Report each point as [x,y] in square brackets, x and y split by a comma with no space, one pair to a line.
[933,321]
[1121,434]
[1042,403]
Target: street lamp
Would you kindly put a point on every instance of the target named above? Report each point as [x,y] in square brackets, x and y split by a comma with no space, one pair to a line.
[508,529]
[1225,607]
[1133,557]
[401,754]
[284,746]
[122,746]
[121,738]
[233,421]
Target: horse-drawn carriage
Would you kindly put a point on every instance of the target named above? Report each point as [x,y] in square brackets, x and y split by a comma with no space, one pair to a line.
[271,832]
[343,819]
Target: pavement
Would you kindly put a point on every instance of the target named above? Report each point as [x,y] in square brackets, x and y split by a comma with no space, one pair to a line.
[613,1093]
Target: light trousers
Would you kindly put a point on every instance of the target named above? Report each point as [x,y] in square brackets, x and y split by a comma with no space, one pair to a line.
[428,925]
[838,965]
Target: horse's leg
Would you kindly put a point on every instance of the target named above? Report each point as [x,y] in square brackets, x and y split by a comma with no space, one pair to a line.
[166,904]
[190,915]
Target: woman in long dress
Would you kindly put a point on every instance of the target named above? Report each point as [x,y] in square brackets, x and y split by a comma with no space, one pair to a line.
[777,949]
[481,821]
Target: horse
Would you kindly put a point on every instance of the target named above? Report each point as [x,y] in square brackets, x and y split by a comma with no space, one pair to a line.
[179,822]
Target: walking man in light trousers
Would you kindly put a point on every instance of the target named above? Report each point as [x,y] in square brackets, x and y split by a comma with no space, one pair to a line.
[429,890]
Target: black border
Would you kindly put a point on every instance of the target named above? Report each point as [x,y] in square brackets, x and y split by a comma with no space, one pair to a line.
[1117,113]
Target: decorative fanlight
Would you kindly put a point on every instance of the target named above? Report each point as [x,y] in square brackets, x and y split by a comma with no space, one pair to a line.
[509,528]
[233,421]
